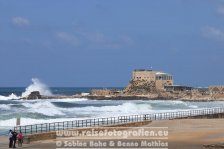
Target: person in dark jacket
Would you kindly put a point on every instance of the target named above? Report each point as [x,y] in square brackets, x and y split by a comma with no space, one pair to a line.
[14,138]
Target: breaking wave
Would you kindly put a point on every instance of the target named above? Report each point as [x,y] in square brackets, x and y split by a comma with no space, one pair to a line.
[37,85]
[5,107]
[45,108]
[12,96]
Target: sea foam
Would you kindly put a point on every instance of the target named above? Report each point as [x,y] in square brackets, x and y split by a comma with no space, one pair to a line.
[12,96]
[43,107]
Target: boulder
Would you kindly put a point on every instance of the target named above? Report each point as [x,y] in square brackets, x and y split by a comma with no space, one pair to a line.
[34,95]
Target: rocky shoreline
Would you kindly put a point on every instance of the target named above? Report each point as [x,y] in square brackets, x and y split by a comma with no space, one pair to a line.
[147,85]
[148,98]
[36,95]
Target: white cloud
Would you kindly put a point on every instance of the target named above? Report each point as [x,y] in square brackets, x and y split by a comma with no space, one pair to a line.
[20,21]
[220,10]
[95,40]
[68,38]
[95,37]
[213,33]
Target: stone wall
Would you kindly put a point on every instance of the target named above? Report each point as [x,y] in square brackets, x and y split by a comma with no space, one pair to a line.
[161,83]
[104,92]
[52,135]
[216,89]
[146,75]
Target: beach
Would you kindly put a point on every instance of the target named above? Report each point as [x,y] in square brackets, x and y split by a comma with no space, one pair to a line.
[183,134]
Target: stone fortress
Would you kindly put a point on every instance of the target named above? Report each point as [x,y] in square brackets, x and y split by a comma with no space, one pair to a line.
[156,79]
[158,84]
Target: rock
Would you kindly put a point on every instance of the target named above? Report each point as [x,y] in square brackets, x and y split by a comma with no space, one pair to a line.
[34,95]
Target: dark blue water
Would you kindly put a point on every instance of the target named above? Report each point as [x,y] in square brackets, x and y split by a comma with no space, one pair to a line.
[6,91]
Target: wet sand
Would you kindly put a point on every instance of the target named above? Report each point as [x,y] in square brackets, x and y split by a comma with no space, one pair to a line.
[183,134]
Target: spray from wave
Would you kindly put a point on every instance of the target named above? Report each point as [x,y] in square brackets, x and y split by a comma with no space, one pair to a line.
[12,96]
[37,85]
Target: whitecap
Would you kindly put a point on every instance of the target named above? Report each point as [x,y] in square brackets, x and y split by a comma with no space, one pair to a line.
[10,97]
[43,107]
[37,85]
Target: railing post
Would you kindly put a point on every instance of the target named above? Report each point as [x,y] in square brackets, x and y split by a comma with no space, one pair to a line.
[63,125]
[25,129]
[94,122]
[144,117]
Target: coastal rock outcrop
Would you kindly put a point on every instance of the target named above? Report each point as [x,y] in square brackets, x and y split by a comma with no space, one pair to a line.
[34,95]
[140,87]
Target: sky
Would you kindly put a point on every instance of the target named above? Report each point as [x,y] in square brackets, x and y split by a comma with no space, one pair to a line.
[98,43]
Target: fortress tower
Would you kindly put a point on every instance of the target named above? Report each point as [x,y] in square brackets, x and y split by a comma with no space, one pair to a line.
[160,79]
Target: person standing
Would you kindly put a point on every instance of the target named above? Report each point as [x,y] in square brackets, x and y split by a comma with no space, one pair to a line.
[14,138]
[20,139]
[10,138]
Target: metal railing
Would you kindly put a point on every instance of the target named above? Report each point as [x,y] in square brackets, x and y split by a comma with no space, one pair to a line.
[49,127]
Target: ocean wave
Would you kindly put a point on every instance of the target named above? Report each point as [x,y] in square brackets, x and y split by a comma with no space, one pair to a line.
[70,99]
[37,85]
[49,108]
[42,110]
[5,107]
[112,110]
[43,107]
[10,97]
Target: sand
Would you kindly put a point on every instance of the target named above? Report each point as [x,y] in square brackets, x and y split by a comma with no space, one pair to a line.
[192,133]
[183,134]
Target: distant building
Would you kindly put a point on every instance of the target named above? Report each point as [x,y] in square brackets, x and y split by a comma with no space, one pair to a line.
[161,79]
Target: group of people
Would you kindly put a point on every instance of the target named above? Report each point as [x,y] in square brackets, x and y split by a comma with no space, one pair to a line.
[13,136]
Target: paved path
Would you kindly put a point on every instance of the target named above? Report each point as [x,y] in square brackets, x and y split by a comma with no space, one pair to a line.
[34,145]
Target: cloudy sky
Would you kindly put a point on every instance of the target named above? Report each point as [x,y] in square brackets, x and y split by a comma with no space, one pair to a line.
[99,42]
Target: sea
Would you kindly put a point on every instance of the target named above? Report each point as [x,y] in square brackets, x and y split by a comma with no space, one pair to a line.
[56,110]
